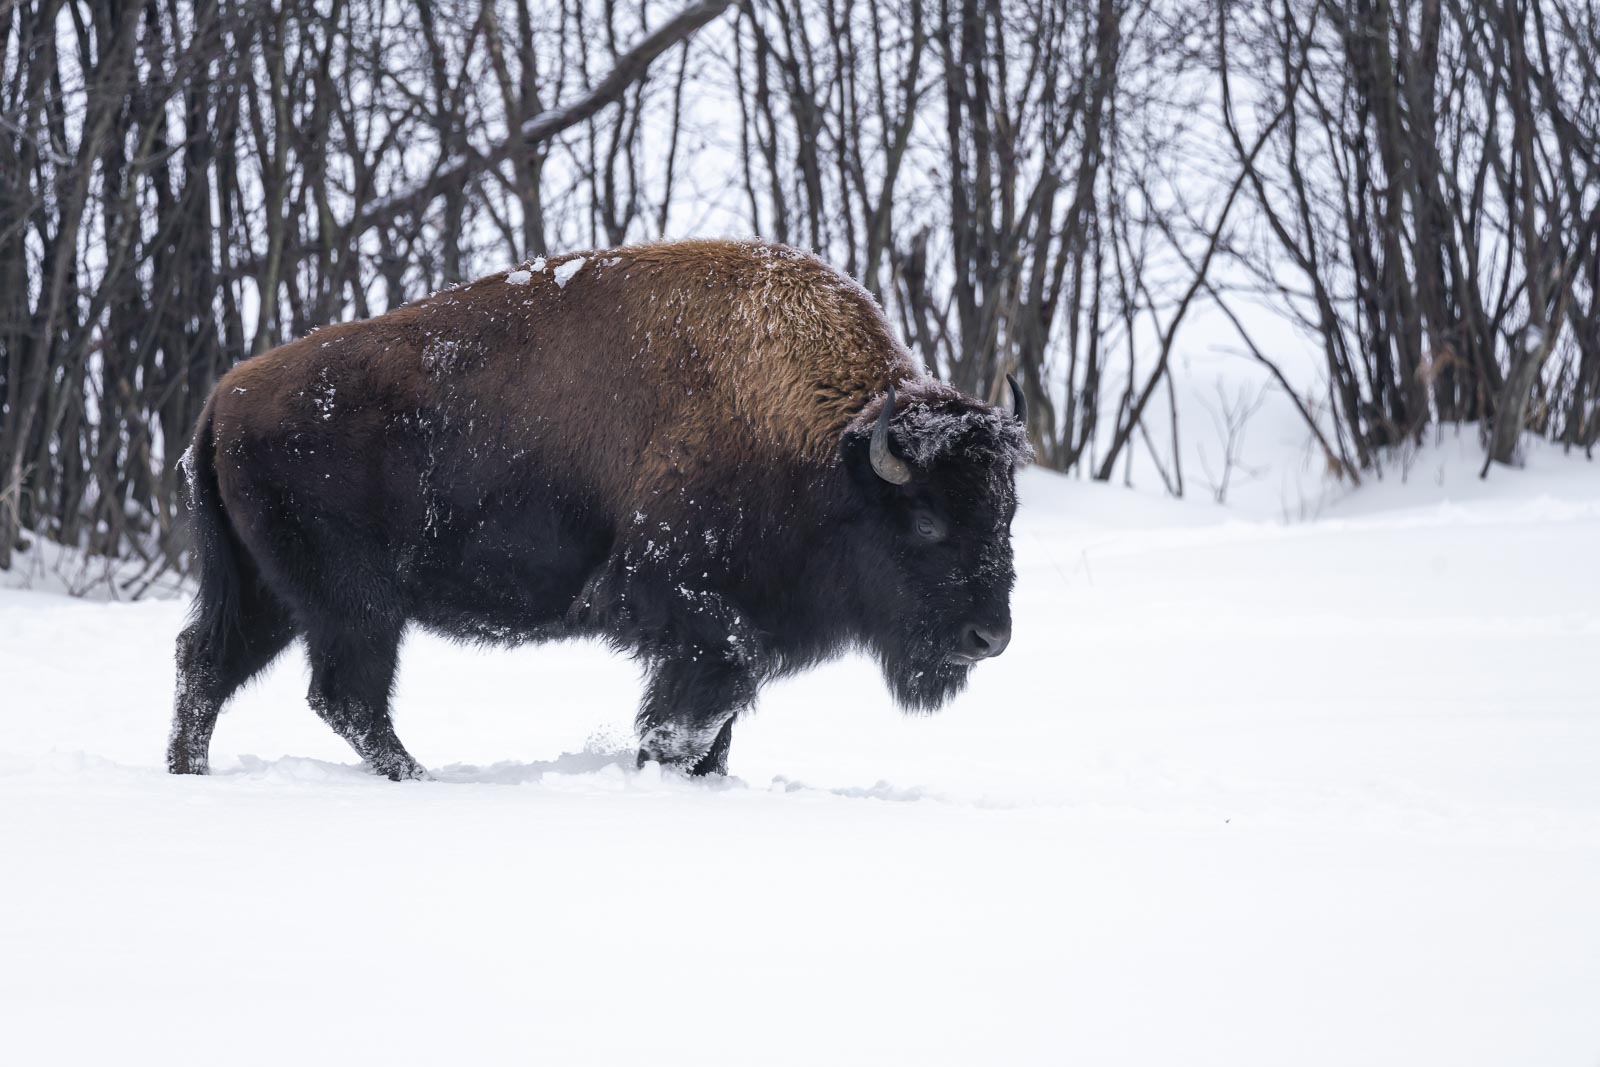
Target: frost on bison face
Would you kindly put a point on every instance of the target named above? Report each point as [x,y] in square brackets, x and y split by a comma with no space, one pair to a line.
[713,455]
[937,565]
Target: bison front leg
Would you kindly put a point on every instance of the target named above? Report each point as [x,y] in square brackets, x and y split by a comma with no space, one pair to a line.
[689,709]
[715,761]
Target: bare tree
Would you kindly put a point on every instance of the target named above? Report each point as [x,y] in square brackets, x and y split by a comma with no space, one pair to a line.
[1050,188]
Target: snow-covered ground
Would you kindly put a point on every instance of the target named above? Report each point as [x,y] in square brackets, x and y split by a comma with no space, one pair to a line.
[1240,792]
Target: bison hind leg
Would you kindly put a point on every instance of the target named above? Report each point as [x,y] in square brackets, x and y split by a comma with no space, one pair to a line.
[217,655]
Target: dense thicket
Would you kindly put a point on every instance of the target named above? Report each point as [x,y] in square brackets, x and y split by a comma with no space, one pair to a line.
[1431,208]
[1046,186]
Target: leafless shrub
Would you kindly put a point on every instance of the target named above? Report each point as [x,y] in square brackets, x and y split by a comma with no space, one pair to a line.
[1029,186]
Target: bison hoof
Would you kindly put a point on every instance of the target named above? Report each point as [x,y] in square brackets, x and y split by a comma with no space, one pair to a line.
[182,761]
[399,768]
[680,747]
[701,769]
[692,760]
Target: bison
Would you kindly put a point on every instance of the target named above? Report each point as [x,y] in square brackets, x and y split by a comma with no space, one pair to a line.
[713,455]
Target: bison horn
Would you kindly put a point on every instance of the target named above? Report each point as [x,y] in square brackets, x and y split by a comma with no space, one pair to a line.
[1019,403]
[888,466]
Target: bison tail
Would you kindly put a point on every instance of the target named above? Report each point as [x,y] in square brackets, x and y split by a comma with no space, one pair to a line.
[236,627]
[216,614]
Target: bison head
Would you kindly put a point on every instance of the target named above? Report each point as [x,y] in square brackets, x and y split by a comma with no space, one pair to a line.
[933,474]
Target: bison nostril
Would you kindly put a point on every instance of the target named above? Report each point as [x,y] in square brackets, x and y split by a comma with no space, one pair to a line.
[981,642]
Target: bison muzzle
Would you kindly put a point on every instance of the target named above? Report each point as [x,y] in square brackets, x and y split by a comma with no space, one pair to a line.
[713,455]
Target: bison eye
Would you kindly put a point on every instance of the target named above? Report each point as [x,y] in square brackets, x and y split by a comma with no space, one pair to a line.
[927,526]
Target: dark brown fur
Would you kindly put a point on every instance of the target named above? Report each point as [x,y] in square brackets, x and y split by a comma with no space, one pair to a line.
[667,451]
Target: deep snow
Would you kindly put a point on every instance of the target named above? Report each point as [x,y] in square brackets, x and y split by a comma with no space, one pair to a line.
[1240,792]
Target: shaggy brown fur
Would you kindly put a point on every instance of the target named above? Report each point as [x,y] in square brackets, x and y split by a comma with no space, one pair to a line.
[776,365]
[666,446]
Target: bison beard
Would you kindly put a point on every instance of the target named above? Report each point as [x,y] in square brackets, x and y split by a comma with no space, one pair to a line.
[713,455]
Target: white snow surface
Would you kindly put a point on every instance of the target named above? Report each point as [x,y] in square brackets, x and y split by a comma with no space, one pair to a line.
[1240,792]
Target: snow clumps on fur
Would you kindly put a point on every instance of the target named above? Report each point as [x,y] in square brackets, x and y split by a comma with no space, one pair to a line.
[566,270]
[933,421]
[925,432]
